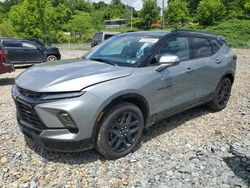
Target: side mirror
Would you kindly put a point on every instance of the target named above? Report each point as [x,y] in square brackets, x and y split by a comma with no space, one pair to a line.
[167,61]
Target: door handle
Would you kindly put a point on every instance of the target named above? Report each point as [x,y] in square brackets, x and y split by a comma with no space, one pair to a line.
[218,61]
[189,70]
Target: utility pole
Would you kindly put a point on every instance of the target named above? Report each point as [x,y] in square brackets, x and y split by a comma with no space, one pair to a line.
[131,14]
[162,15]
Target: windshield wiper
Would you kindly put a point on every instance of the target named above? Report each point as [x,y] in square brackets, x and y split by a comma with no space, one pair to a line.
[104,61]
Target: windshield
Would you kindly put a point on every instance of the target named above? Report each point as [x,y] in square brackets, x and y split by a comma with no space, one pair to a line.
[123,50]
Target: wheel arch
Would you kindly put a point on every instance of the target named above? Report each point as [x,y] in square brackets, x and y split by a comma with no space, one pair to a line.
[133,98]
[57,56]
[229,75]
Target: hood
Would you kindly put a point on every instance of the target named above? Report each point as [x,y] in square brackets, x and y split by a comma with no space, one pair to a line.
[65,76]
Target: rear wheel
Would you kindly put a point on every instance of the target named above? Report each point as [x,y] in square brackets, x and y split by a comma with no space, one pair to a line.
[52,58]
[121,131]
[221,95]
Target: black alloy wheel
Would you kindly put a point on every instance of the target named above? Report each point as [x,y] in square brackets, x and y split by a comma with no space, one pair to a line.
[121,131]
[124,131]
[221,95]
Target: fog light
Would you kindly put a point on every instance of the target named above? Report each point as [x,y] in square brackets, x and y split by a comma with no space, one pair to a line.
[66,120]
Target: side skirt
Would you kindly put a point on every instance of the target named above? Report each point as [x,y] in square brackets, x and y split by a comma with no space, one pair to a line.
[176,110]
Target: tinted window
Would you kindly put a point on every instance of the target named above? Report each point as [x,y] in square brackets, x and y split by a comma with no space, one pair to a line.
[215,46]
[201,48]
[98,36]
[178,46]
[11,44]
[28,45]
[107,36]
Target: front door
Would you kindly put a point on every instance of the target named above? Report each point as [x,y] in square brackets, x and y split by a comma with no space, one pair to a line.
[177,85]
[32,53]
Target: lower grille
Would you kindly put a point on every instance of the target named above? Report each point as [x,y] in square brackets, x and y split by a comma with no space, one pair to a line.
[27,115]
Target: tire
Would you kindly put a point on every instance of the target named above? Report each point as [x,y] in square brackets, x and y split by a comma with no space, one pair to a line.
[52,58]
[120,131]
[221,95]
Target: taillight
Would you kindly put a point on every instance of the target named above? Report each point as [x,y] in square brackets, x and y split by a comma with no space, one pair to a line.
[1,55]
[5,56]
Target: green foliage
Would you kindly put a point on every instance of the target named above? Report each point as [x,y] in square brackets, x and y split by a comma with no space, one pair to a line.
[177,12]
[149,13]
[208,12]
[39,18]
[98,20]
[247,8]
[79,25]
[193,4]
[234,8]
[77,20]
[236,32]
[6,30]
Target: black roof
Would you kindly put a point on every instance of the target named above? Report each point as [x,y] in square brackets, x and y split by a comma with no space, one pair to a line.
[162,33]
[147,33]
[185,31]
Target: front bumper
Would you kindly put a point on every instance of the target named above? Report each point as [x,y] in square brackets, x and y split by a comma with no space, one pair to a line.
[55,144]
[39,121]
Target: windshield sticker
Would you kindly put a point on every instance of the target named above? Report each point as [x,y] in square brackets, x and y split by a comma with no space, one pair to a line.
[149,40]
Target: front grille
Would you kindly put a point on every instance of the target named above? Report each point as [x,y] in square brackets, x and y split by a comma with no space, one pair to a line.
[28,115]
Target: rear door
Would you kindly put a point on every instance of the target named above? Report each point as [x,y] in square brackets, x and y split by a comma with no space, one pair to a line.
[14,50]
[209,64]
[32,53]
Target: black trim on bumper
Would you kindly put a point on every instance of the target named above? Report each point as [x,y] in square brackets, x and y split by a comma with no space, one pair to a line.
[55,145]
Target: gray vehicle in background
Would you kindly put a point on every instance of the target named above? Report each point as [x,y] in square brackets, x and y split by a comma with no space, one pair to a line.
[127,83]
[101,36]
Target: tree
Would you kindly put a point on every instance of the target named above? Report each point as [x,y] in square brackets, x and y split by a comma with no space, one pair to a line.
[208,12]
[98,20]
[247,8]
[149,13]
[6,30]
[234,9]
[39,18]
[177,12]
[79,25]
[192,5]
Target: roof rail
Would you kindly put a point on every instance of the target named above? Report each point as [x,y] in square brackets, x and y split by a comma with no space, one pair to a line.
[195,31]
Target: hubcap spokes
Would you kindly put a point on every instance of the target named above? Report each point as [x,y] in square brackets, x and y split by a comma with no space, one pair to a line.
[123,132]
[224,94]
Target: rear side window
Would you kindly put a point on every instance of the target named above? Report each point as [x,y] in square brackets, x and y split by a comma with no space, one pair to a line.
[201,48]
[28,45]
[12,44]
[215,46]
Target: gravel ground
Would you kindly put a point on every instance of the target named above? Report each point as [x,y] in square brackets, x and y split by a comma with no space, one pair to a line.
[197,148]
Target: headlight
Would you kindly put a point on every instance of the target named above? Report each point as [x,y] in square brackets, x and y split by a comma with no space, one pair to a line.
[51,96]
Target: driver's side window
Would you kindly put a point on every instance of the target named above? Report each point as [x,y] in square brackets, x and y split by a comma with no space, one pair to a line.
[178,46]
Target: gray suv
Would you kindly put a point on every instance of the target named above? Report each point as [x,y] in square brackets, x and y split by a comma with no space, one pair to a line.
[127,83]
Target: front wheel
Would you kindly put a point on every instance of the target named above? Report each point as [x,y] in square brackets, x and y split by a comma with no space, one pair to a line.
[120,131]
[221,95]
[52,58]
